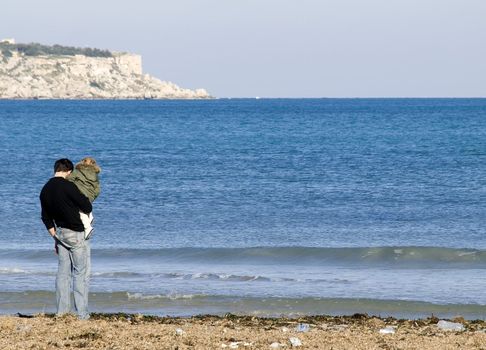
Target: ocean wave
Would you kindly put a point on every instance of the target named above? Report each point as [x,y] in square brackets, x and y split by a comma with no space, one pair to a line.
[118,274]
[20,271]
[221,277]
[11,270]
[210,276]
[429,257]
[191,276]
[170,296]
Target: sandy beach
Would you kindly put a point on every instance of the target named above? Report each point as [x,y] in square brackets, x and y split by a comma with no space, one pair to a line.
[122,331]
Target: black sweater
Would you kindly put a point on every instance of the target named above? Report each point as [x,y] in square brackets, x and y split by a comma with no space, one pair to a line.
[61,202]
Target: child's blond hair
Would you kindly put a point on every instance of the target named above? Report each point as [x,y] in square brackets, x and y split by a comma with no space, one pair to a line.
[89,161]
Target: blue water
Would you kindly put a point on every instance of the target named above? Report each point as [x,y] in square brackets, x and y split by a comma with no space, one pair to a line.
[367,204]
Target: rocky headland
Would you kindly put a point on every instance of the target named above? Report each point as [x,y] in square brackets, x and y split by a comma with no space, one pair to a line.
[34,71]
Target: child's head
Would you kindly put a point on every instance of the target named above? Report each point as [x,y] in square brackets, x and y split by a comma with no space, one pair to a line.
[91,162]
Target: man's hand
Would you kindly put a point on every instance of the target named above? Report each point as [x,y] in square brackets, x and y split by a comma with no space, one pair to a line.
[52,232]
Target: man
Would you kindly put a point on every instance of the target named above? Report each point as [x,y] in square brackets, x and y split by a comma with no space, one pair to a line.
[61,202]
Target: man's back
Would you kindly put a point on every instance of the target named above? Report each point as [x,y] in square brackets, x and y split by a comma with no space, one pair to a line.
[61,202]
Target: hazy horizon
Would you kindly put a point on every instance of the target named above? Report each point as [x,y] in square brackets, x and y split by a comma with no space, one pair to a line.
[287,49]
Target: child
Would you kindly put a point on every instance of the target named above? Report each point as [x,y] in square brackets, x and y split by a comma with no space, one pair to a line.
[85,177]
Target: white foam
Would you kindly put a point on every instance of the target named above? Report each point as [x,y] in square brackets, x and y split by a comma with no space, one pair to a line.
[466,253]
[11,270]
[172,296]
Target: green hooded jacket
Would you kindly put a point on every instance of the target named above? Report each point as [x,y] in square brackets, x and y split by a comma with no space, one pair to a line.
[85,177]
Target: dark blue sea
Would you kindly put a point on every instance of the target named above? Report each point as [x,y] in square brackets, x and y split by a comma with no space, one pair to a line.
[259,207]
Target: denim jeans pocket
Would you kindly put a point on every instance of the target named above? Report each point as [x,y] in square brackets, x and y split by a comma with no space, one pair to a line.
[70,238]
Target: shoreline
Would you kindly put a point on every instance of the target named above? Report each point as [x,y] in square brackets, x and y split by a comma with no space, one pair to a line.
[186,305]
[129,331]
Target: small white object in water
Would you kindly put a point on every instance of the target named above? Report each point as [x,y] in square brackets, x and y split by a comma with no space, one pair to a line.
[388,330]
[295,341]
[450,326]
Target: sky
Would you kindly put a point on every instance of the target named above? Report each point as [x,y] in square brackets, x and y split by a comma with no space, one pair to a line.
[277,48]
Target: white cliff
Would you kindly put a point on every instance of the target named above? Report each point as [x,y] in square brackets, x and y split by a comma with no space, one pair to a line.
[83,77]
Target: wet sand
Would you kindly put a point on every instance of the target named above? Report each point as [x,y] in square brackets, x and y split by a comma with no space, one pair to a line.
[123,331]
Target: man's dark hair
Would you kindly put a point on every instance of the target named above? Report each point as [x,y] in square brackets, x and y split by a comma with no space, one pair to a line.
[63,164]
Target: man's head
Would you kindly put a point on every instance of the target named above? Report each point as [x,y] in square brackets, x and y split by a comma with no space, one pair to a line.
[63,167]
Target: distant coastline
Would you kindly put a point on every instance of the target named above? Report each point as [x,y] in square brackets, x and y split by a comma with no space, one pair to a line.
[36,71]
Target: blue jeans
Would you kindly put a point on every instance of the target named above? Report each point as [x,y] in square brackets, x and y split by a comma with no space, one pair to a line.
[74,266]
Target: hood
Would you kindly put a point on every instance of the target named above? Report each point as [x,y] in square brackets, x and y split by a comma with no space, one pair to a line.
[89,168]
[89,172]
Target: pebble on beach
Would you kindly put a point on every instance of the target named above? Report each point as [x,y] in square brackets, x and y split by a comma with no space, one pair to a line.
[123,332]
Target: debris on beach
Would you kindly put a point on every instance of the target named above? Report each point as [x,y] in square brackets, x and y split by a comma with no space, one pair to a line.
[302,327]
[450,326]
[388,330]
[24,328]
[235,344]
[179,331]
[116,331]
[294,341]
[338,327]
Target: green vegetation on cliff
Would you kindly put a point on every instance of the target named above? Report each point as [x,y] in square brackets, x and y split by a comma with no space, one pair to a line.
[35,49]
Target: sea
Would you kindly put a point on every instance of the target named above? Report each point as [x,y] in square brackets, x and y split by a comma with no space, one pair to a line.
[265,207]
